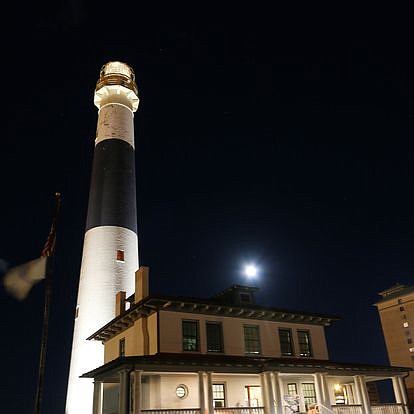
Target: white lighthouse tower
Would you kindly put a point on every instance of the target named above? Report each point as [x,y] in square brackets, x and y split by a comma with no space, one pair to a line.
[110,250]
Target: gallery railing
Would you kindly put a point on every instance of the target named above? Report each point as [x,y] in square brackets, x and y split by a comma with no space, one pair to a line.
[172,411]
[239,410]
[387,409]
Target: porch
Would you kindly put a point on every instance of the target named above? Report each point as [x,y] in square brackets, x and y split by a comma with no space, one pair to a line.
[204,392]
[204,384]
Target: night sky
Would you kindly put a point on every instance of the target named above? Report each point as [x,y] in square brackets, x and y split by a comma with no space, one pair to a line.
[263,138]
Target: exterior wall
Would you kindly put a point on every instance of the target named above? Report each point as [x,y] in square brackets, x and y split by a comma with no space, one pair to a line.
[235,388]
[233,334]
[396,335]
[134,340]
[165,385]
[168,385]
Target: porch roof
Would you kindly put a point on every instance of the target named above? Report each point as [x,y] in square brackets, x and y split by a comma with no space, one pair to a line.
[213,306]
[166,362]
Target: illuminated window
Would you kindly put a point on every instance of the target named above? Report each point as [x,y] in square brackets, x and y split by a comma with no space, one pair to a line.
[181,391]
[405,324]
[411,349]
[252,339]
[218,395]
[339,394]
[122,347]
[214,337]
[120,256]
[309,394]
[292,398]
[190,336]
[305,348]
[285,338]
[292,389]
[253,394]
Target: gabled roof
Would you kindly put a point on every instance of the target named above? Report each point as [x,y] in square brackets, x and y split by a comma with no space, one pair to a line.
[211,306]
[184,362]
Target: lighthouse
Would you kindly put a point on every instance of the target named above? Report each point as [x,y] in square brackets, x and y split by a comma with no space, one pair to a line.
[110,248]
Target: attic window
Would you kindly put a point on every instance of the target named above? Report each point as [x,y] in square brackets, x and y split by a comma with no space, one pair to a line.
[120,256]
[245,297]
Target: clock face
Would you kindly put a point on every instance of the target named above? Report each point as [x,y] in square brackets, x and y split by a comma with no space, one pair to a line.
[181,391]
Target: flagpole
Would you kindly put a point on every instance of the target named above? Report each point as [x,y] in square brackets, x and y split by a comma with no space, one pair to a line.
[48,252]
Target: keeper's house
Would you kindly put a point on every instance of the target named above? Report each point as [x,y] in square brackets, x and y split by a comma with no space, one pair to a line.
[227,355]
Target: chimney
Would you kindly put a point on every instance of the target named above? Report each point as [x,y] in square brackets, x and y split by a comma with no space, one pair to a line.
[141,283]
[120,303]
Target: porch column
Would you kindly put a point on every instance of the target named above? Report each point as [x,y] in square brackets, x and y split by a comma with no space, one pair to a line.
[318,388]
[357,395]
[123,392]
[397,390]
[277,394]
[265,392]
[97,397]
[403,392]
[210,393]
[349,394]
[271,396]
[137,390]
[325,391]
[364,394]
[201,393]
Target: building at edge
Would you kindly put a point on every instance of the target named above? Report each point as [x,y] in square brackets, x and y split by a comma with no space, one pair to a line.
[396,312]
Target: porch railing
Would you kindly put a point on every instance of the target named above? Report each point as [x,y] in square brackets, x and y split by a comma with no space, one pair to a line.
[239,410]
[387,409]
[172,411]
[223,410]
[347,409]
[375,408]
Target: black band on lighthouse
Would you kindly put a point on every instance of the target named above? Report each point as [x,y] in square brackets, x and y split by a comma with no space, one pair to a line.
[112,197]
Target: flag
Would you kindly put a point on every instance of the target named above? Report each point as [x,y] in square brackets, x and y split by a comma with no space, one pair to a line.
[20,279]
